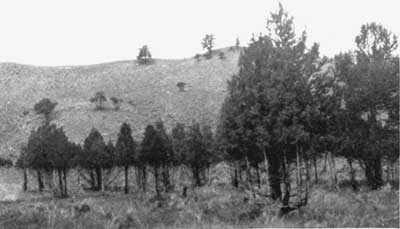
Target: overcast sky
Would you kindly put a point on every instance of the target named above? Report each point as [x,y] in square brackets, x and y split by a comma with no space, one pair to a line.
[76,32]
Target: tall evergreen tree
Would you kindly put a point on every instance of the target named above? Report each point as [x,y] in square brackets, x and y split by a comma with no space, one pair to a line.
[126,150]
[94,157]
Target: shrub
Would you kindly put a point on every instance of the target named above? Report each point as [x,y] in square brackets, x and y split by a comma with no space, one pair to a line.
[5,162]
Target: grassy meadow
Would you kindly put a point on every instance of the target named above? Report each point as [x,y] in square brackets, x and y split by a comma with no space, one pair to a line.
[216,205]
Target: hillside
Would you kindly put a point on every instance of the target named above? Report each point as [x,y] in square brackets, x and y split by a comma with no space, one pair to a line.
[149,92]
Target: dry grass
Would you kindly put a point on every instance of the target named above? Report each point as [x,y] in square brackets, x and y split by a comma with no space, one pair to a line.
[217,205]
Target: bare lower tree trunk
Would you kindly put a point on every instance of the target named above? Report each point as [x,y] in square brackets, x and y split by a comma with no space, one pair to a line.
[166,178]
[40,181]
[274,175]
[258,176]
[299,174]
[315,170]
[332,167]
[196,176]
[235,179]
[60,183]
[266,168]
[248,173]
[65,182]
[138,178]
[352,175]
[286,181]
[126,189]
[99,178]
[25,185]
[144,178]
[156,180]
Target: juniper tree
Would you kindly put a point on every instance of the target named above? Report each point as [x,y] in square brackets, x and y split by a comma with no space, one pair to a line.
[178,137]
[94,158]
[268,101]
[370,90]
[153,153]
[198,152]
[45,107]
[116,102]
[99,98]
[144,56]
[126,150]
[208,44]
[167,150]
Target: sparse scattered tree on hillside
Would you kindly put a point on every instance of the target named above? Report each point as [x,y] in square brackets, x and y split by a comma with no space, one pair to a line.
[208,44]
[116,102]
[45,107]
[237,43]
[99,98]
[144,56]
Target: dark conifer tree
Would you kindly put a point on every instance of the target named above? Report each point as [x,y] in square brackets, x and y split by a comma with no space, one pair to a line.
[126,150]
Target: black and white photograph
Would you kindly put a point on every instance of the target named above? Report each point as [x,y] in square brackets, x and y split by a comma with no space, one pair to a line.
[118,114]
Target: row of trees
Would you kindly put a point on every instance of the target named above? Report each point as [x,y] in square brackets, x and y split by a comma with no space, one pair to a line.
[50,151]
[287,106]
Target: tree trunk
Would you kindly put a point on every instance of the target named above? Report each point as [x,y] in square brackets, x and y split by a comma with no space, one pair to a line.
[266,167]
[332,167]
[373,172]
[93,182]
[138,178]
[126,189]
[196,176]
[166,178]
[299,179]
[235,181]
[258,176]
[25,185]
[352,175]
[65,182]
[40,181]
[99,179]
[248,173]
[315,170]
[156,180]
[144,178]
[274,166]
[286,181]
[60,183]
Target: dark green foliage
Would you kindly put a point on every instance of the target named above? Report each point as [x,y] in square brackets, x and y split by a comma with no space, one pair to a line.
[49,149]
[267,112]
[45,107]
[178,138]
[144,56]
[99,98]
[181,86]
[156,151]
[116,102]
[199,146]
[370,92]
[95,156]
[5,162]
[125,151]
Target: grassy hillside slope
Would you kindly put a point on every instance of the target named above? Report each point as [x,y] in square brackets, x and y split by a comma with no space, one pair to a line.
[149,92]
